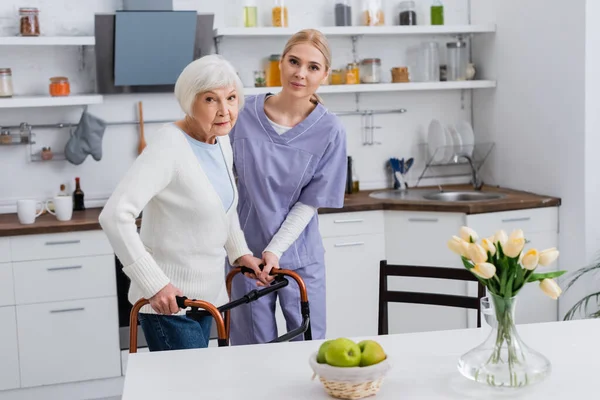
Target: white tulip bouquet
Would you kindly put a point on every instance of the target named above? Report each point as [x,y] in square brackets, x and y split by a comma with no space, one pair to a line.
[504,267]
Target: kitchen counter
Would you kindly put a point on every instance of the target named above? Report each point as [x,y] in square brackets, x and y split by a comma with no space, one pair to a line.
[514,200]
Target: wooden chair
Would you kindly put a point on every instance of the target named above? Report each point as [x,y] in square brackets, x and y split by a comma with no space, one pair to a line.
[386,296]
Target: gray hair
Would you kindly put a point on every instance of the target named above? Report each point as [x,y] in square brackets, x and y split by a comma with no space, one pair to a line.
[205,74]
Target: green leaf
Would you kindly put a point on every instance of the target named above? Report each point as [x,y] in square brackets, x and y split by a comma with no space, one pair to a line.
[520,279]
[467,263]
[500,250]
[508,289]
[546,275]
[503,278]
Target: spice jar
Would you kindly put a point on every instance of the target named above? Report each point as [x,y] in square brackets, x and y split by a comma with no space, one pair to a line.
[343,13]
[338,77]
[6,86]
[5,137]
[408,15]
[352,74]
[59,86]
[370,70]
[372,13]
[29,21]
[274,76]
[279,14]
[259,79]
[47,153]
[400,74]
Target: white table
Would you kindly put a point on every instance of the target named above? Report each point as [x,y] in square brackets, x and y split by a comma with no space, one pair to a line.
[423,367]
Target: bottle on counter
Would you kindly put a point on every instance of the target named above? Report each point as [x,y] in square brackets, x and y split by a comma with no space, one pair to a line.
[250,14]
[78,197]
[437,13]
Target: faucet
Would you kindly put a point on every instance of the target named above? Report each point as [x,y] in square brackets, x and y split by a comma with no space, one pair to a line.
[475,181]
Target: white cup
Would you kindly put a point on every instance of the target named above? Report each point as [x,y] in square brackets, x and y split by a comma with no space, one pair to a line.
[63,207]
[27,211]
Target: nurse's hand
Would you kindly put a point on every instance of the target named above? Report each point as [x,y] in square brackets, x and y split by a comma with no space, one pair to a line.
[164,301]
[253,263]
[271,261]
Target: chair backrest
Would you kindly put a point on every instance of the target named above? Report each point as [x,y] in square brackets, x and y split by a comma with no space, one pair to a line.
[386,296]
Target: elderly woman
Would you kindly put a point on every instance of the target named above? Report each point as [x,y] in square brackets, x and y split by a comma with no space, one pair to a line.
[184,183]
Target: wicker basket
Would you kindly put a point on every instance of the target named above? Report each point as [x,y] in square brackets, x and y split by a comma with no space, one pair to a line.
[350,383]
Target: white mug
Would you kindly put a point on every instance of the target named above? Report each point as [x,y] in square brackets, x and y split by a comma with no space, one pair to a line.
[63,207]
[27,211]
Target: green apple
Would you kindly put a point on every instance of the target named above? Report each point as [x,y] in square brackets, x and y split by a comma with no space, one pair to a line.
[322,350]
[343,352]
[371,353]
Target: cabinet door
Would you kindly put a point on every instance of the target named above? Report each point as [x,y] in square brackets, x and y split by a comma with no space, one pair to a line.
[7,292]
[68,341]
[352,265]
[419,238]
[4,250]
[9,349]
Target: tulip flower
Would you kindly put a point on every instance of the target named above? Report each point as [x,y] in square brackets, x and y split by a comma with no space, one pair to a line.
[484,270]
[548,256]
[500,237]
[488,245]
[468,235]
[458,246]
[551,288]
[530,259]
[517,234]
[477,253]
[514,246]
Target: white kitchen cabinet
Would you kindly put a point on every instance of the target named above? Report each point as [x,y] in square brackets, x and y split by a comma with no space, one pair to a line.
[419,238]
[7,293]
[9,355]
[59,245]
[68,341]
[4,250]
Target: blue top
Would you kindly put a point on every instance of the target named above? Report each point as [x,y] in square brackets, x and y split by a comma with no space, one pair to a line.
[212,161]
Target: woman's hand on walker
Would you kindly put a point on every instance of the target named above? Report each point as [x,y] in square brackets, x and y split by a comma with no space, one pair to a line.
[270,261]
[253,263]
[164,301]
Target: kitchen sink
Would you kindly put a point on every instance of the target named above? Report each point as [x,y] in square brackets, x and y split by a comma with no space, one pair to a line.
[463,196]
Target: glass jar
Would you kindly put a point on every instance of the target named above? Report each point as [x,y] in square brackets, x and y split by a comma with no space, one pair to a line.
[408,13]
[47,153]
[259,79]
[370,70]
[29,21]
[338,77]
[437,13]
[6,85]
[5,137]
[372,13]
[250,14]
[59,86]
[279,14]
[430,62]
[352,74]
[273,74]
[457,61]
[343,13]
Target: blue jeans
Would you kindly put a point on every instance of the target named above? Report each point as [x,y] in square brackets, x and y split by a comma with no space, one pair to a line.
[175,332]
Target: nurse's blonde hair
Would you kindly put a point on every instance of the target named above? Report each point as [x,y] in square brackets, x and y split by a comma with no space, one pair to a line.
[318,40]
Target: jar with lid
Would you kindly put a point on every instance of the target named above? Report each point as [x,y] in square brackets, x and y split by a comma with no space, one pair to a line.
[343,13]
[273,74]
[6,86]
[5,137]
[279,14]
[250,14]
[352,74]
[29,21]
[47,153]
[437,13]
[59,86]
[457,58]
[408,13]
[372,13]
[370,70]
[338,77]
[259,79]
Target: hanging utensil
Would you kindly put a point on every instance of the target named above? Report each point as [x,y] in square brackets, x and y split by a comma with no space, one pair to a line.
[142,142]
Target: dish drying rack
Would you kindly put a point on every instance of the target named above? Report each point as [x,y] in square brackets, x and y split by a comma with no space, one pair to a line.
[448,161]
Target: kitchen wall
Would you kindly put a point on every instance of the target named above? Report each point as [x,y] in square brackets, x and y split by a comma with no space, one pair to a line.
[400,135]
[543,116]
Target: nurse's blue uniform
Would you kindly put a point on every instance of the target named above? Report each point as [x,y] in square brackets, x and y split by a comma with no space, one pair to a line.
[306,164]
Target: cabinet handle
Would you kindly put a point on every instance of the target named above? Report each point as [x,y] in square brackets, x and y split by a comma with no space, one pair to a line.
[516,219]
[349,244]
[64,268]
[423,220]
[63,242]
[347,221]
[67,310]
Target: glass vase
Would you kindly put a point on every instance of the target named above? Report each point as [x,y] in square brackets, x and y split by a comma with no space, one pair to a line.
[503,359]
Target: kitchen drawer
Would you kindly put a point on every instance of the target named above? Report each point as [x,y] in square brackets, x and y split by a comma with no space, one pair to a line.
[530,221]
[68,341]
[64,279]
[4,250]
[351,223]
[7,292]
[60,245]
[9,354]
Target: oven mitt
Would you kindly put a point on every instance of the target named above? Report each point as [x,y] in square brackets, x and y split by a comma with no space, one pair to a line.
[87,139]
